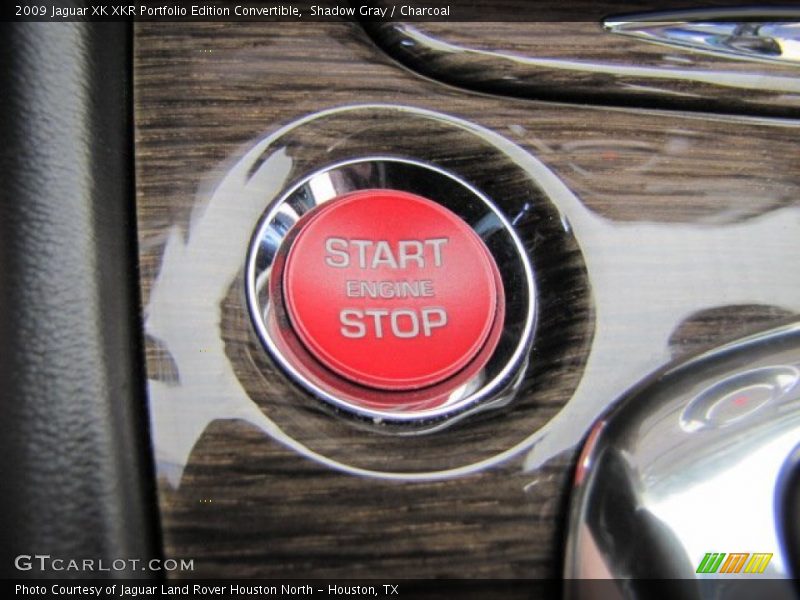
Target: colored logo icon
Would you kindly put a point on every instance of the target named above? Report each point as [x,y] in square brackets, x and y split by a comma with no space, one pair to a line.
[741,562]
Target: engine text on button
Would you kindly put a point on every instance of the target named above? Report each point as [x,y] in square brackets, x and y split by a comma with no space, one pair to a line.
[420,288]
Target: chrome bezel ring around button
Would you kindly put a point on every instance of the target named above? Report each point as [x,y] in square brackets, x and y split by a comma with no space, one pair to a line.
[491,386]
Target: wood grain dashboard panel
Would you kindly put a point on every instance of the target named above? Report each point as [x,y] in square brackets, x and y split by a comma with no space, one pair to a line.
[678,232]
[580,62]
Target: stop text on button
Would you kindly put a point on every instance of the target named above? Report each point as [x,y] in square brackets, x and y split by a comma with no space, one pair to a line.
[402,322]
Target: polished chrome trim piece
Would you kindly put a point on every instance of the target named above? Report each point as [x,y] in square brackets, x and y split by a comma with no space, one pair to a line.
[753,33]
[276,231]
[788,505]
[691,462]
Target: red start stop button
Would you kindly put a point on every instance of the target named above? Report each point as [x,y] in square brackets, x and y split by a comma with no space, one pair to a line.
[392,291]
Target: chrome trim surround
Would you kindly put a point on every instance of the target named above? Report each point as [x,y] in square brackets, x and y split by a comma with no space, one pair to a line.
[769,34]
[491,387]
[788,503]
[691,462]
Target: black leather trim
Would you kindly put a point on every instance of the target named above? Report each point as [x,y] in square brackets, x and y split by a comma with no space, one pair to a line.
[75,465]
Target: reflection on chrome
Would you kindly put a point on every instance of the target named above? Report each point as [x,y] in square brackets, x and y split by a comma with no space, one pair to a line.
[738,397]
[689,465]
[757,33]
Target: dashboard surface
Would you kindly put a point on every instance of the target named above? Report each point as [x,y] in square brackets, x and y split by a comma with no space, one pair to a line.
[653,235]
